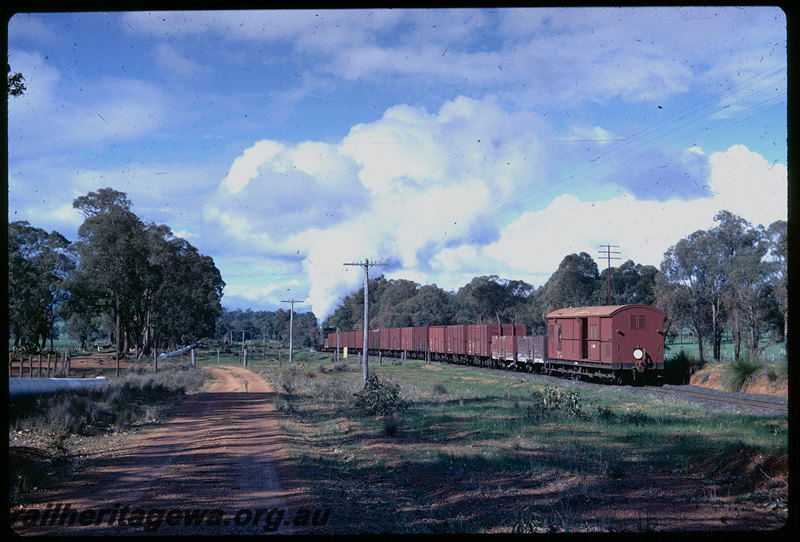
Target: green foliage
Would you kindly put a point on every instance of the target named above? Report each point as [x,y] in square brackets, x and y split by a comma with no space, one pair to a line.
[679,368]
[119,274]
[722,277]
[740,371]
[380,397]
[38,264]
[255,326]
[554,402]
[637,417]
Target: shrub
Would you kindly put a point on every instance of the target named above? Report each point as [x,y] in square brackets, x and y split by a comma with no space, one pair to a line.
[439,389]
[678,369]
[554,401]
[741,371]
[380,397]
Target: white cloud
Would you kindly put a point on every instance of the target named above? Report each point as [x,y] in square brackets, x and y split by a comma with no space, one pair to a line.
[422,191]
[245,167]
[745,184]
[176,64]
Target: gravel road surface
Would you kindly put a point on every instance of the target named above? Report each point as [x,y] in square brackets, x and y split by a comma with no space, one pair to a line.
[217,468]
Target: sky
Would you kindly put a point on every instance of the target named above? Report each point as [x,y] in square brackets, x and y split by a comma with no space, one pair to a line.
[446,143]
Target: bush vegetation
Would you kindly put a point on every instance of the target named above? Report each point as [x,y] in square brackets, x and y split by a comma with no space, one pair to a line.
[380,397]
[742,370]
[126,401]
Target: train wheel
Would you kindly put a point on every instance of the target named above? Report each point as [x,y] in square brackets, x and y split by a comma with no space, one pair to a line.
[623,378]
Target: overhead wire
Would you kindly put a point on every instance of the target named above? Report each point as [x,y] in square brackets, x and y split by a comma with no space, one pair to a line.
[626,152]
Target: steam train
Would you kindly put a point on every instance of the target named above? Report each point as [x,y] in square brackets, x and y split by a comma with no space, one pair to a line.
[620,343]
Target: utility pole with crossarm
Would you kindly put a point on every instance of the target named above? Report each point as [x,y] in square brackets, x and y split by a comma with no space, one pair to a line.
[366,265]
[291,324]
[609,257]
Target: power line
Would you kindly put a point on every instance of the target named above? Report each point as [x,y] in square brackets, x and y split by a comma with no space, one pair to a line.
[366,264]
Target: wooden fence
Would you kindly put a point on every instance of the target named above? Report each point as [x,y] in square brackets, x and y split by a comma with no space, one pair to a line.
[38,365]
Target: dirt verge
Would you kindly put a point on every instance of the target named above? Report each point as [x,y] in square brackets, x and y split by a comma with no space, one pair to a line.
[217,468]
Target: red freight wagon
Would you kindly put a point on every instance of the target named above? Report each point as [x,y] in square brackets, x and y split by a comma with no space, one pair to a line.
[479,339]
[394,339]
[384,339]
[414,339]
[619,338]
[374,339]
[457,340]
[524,347]
[503,348]
[348,339]
[437,339]
[531,348]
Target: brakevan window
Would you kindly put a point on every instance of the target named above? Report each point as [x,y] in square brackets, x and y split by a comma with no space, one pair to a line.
[638,321]
[593,331]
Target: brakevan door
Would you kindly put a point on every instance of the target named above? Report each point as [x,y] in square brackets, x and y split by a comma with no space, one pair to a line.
[583,333]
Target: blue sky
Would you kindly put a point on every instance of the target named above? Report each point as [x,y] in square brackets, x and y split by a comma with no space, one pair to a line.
[447,143]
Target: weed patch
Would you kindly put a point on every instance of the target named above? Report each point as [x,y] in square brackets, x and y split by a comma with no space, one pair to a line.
[380,397]
[553,402]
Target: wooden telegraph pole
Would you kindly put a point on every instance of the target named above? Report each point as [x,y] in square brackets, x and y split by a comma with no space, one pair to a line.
[609,257]
[291,324]
[366,265]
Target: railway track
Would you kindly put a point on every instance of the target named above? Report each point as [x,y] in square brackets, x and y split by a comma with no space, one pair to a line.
[713,398]
[728,398]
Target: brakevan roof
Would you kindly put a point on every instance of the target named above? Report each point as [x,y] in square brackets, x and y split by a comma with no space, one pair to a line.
[602,310]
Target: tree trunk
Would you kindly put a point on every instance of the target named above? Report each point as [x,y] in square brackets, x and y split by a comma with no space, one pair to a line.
[785,333]
[118,333]
[715,337]
[699,333]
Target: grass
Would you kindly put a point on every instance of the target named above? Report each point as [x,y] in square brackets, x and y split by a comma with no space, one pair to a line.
[136,397]
[489,427]
[469,436]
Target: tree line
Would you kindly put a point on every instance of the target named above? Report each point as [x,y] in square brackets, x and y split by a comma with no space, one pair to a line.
[730,278]
[143,288]
[133,282]
[247,325]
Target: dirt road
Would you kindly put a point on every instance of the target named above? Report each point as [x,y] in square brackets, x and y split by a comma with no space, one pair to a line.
[216,469]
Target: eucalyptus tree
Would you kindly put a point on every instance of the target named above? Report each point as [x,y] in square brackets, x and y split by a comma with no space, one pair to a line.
[630,283]
[691,264]
[430,306]
[572,284]
[183,294]
[38,264]
[490,298]
[778,238]
[727,277]
[113,268]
